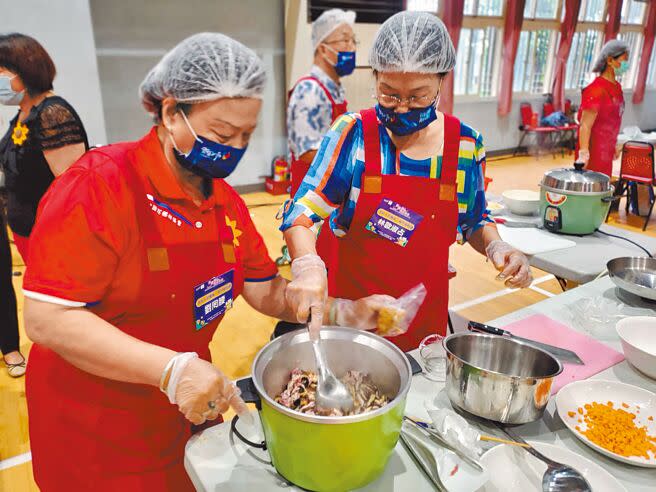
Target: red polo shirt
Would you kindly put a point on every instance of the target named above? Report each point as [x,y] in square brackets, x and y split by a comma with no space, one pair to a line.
[85,247]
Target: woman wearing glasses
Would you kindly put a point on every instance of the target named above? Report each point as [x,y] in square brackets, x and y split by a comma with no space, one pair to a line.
[399,182]
[318,99]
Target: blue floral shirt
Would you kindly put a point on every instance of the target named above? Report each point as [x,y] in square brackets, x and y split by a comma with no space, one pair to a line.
[309,112]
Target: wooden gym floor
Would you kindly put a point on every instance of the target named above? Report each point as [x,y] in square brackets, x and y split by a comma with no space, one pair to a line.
[474,293]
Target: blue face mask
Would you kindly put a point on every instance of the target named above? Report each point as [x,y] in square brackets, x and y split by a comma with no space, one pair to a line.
[8,96]
[406,123]
[345,62]
[208,159]
[621,70]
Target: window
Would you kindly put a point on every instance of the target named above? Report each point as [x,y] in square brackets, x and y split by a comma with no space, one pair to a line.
[541,9]
[475,71]
[634,40]
[592,10]
[490,8]
[633,12]
[651,73]
[535,54]
[586,45]
[423,5]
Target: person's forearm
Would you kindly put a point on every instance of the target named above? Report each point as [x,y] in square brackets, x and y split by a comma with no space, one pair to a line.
[301,241]
[483,236]
[269,298]
[588,118]
[94,345]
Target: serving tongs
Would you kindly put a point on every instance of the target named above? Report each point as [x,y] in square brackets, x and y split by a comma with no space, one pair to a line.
[438,439]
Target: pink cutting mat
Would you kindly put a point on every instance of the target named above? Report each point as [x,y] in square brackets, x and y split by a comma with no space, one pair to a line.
[594,354]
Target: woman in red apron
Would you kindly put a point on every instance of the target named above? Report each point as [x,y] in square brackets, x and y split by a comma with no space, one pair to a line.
[401,182]
[318,99]
[143,248]
[602,105]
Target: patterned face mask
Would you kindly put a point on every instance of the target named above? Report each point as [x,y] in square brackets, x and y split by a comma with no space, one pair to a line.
[206,158]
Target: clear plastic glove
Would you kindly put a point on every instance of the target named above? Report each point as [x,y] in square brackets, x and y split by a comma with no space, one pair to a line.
[361,314]
[512,263]
[308,290]
[584,156]
[202,393]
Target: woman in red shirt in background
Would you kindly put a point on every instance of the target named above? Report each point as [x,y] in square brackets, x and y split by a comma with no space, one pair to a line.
[602,105]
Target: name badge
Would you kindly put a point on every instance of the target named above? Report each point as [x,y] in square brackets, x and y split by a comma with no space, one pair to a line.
[394,222]
[213,298]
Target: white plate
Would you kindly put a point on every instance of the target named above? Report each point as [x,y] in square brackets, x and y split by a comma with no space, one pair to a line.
[577,394]
[517,471]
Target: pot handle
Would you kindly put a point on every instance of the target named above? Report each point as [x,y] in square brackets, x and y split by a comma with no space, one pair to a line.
[414,365]
[249,392]
[233,428]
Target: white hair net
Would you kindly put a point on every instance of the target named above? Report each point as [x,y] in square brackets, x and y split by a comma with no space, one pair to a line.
[413,42]
[204,67]
[612,48]
[327,22]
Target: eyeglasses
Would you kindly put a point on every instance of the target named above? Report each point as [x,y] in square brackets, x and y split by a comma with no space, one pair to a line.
[390,101]
[352,41]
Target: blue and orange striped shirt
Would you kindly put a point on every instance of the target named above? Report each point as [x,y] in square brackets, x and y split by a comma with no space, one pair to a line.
[332,185]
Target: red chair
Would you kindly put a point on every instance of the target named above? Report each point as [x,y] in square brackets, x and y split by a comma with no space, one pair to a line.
[547,109]
[637,167]
[530,126]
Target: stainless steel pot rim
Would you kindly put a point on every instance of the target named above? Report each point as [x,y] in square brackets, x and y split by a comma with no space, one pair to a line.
[496,373]
[561,191]
[320,419]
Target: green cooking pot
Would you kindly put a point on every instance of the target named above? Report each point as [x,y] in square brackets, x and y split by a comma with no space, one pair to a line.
[574,201]
[329,453]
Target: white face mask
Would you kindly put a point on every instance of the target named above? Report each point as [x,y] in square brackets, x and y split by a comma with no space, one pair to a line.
[8,96]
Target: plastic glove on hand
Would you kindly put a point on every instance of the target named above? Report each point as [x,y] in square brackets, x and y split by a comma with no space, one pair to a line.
[512,263]
[203,393]
[308,290]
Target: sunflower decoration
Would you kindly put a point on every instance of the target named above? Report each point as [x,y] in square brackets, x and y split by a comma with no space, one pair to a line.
[20,133]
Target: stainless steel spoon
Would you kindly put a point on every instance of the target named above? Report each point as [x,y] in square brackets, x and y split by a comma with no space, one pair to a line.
[331,392]
[558,477]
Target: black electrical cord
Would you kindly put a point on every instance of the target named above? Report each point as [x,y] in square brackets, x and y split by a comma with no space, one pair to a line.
[627,240]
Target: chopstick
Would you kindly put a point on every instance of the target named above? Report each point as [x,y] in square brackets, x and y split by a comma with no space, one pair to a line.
[427,425]
[503,441]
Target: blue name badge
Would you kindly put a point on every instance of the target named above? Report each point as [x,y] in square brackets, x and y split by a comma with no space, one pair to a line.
[394,222]
[213,298]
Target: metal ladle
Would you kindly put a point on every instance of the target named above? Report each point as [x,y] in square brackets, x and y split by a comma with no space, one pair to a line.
[558,477]
[331,392]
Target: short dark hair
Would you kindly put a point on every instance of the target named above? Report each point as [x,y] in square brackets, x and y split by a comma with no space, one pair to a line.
[25,56]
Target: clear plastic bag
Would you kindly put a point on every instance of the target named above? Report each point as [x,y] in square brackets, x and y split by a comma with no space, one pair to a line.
[455,430]
[395,318]
[598,315]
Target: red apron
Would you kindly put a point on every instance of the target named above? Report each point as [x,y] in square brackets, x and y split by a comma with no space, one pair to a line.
[299,167]
[91,433]
[364,263]
[606,127]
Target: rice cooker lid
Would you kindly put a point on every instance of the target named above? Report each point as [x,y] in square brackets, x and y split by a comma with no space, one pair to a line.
[577,180]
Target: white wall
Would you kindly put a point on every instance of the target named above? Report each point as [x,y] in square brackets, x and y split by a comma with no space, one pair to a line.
[63,27]
[132,35]
[498,133]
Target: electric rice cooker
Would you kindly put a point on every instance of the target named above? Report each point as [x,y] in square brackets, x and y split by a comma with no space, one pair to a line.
[574,201]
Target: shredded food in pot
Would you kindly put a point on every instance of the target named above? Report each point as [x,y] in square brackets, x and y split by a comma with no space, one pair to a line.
[299,394]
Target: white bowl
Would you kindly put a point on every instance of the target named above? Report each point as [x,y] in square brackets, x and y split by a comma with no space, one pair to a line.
[522,202]
[638,336]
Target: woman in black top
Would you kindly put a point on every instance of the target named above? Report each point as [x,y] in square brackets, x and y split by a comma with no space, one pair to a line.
[44,138]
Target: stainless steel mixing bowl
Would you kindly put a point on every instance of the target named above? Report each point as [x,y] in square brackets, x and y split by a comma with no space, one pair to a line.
[498,378]
[634,275]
